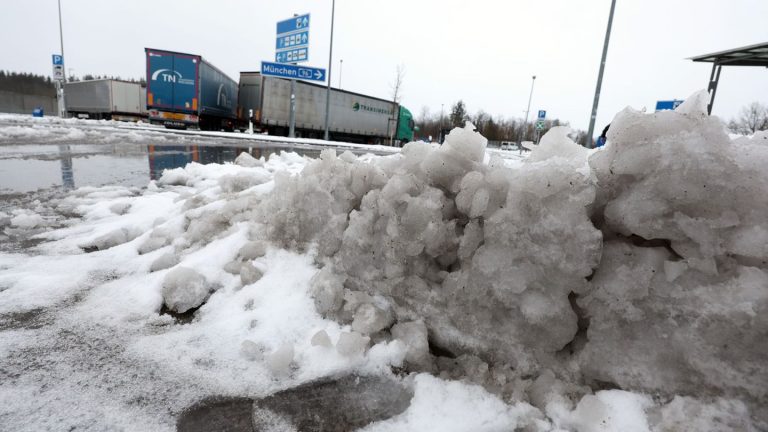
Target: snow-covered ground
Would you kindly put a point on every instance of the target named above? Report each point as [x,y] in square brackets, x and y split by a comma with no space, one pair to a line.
[623,289]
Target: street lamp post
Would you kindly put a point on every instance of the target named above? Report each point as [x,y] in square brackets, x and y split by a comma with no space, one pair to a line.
[330,62]
[593,116]
[341,68]
[440,132]
[60,85]
[527,111]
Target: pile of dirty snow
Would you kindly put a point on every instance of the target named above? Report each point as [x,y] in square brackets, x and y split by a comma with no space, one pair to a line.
[621,289]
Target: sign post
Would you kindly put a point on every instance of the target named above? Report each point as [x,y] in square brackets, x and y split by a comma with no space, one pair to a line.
[58,76]
[540,123]
[292,46]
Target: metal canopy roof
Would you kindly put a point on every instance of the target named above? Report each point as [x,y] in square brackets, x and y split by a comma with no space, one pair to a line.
[753,55]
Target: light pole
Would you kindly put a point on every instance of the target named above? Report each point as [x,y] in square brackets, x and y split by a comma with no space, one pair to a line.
[528,110]
[60,85]
[600,77]
[440,132]
[330,63]
[341,68]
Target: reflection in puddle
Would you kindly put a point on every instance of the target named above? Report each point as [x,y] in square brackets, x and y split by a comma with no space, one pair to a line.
[27,168]
[67,175]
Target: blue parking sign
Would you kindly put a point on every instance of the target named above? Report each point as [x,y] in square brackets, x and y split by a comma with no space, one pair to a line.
[57,60]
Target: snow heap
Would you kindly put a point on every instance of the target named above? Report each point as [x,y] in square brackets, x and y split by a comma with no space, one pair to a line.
[641,266]
[622,289]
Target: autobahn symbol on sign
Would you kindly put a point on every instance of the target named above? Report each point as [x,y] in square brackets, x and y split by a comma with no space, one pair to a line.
[300,22]
[292,71]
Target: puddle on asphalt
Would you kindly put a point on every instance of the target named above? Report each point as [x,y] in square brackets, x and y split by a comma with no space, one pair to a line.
[28,168]
[329,405]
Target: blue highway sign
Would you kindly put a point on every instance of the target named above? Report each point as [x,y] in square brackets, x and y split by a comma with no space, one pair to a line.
[292,56]
[293,40]
[292,71]
[667,105]
[300,22]
[542,114]
[57,59]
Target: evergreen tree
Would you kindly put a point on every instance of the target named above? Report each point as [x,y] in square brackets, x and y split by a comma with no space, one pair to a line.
[458,114]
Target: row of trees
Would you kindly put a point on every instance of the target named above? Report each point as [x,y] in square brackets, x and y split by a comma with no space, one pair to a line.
[27,83]
[496,128]
[32,84]
[88,77]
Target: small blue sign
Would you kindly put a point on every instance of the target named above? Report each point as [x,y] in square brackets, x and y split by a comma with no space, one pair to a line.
[292,56]
[667,105]
[542,114]
[292,71]
[294,40]
[57,60]
[300,22]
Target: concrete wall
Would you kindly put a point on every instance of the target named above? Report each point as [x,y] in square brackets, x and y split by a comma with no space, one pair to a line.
[12,102]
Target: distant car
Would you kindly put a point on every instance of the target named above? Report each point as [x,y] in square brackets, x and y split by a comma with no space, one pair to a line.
[506,145]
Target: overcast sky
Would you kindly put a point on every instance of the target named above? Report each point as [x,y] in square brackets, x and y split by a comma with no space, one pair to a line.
[481,51]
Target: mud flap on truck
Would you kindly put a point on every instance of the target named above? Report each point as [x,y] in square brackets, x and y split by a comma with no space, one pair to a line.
[172,120]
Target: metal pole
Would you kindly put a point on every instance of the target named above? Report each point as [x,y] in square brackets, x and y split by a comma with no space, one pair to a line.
[292,114]
[60,86]
[600,77]
[341,68]
[714,78]
[528,110]
[61,40]
[330,62]
[292,108]
[440,132]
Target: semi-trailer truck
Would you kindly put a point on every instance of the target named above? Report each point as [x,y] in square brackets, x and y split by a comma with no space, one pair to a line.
[265,102]
[106,99]
[184,90]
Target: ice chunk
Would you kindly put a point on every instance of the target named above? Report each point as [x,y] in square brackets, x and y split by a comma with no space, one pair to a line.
[556,143]
[327,289]
[110,239]
[352,343]
[174,177]
[233,267]
[152,243]
[166,260]
[246,160]
[414,335]
[370,318]
[249,274]
[27,220]
[280,361]
[184,289]
[321,339]
[252,250]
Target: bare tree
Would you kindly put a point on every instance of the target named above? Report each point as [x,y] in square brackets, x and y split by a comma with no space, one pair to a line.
[396,87]
[753,118]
